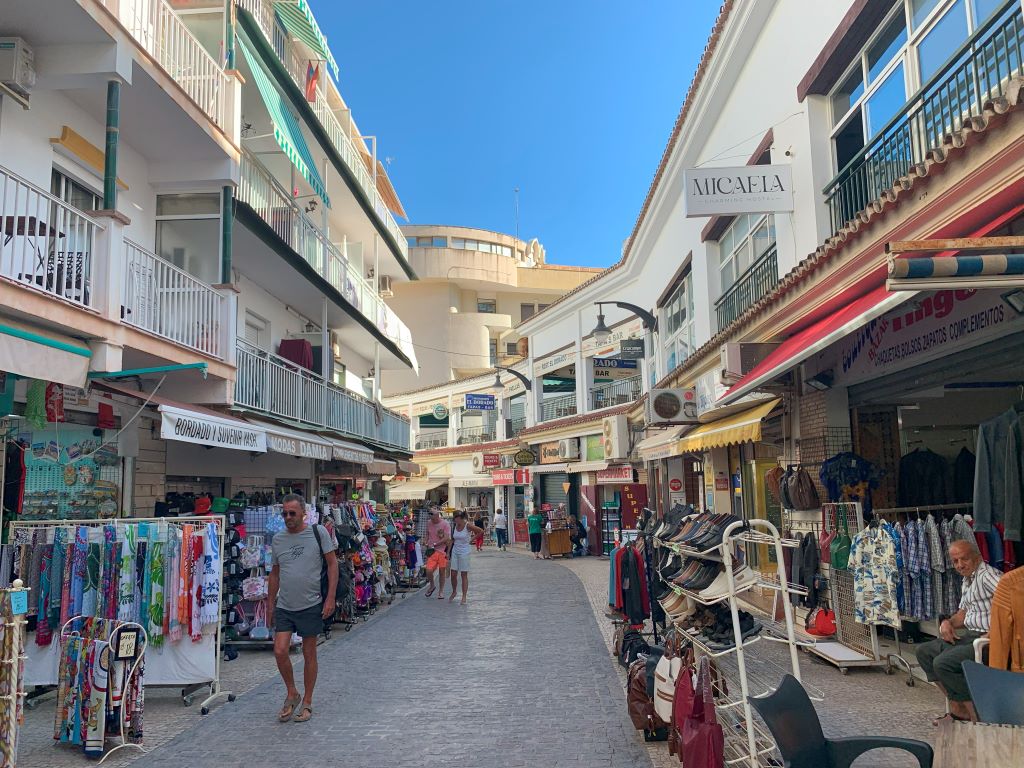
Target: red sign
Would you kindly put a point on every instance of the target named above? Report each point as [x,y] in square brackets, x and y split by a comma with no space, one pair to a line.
[619,474]
[521,529]
[634,499]
[511,477]
[492,460]
[675,484]
[721,483]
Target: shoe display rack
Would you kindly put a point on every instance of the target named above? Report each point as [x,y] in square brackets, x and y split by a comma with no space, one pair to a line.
[713,558]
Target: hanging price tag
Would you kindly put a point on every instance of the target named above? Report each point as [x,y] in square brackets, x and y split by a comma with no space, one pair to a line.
[19,602]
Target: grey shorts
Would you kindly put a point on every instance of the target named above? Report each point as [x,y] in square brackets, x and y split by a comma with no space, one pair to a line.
[459,563]
[309,622]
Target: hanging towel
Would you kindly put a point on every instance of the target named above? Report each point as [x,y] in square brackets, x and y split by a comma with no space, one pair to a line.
[111,561]
[96,712]
[141,597]
[185,582]
[91,595]
[79,570]
[173,590]
[34,575]
[127,608]
[196,588]
[44,633]
[210,597]
[56,578]
[155,625]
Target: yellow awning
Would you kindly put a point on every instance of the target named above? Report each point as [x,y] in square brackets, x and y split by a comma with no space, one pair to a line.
[742,427]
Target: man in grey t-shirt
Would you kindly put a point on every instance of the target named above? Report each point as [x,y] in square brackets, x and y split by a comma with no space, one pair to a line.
[295,602]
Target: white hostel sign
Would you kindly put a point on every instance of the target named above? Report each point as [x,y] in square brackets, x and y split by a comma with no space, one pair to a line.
[201,429]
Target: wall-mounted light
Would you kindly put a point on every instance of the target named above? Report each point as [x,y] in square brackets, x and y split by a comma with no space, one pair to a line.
[1015,299]
[821,382]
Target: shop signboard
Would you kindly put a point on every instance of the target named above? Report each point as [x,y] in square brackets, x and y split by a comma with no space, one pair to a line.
[341,452]
[492,460]
[614,363]
[202,429]
[525,458]
[439,411]
[628,330]
[554,362]
[511,476]
[593,447]
[634,499]
[740,189]
[675,485]
[622,473]
[296,446]
[480,402]
[631,349]
[926,328]
[721,483]
[548,453]
[470,482]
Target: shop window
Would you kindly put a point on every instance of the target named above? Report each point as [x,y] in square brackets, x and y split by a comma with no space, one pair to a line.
[493,347]
[511,348]
[677,320]
[188,233]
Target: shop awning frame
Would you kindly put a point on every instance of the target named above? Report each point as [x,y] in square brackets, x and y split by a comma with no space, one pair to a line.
[587,466]
[381,467]
[297,17]
[544,469]
[414,490]
[408,467]
[291,442]
[742,427]
[660,445]
[477,481]
[42,355]
[287,132]
[955,263]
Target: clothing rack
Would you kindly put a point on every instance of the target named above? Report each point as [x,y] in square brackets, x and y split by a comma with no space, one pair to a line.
[893,511]
[119,626]
[215,691]
[13,651]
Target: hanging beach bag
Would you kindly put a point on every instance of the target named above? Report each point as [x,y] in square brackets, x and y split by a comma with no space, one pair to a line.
[251,555]
[255,588]
[260,630]
[703,741]
[839,549]
[665,685]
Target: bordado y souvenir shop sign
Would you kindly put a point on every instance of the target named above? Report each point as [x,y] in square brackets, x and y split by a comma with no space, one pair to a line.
[193,427]
[743,189]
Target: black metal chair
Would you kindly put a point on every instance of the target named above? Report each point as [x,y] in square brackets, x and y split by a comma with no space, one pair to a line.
[998,695]
[794,725]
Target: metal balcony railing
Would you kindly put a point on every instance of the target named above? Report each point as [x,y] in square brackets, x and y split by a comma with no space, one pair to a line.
[976,76]
[264,194]
[752,286]
[263,12]
[433,440]
[558,407]
[473,435]
[167,301]
[615,393]
[46,244]
[164,36]
[274,385]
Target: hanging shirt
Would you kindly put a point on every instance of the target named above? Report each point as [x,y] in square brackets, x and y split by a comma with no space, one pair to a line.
[873,566]
[924,478]
[849,477]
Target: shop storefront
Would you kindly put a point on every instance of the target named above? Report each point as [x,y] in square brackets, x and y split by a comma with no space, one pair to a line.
[473,494]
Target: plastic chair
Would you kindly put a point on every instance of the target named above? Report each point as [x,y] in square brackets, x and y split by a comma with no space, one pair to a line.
[790,716]
[998,694]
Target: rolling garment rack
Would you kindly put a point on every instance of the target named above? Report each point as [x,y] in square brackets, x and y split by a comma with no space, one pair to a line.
[747,742]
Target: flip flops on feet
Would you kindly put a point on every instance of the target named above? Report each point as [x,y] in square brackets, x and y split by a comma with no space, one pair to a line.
[288,709]
[305,713]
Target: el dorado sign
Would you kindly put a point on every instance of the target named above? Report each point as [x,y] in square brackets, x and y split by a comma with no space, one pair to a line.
[744,189]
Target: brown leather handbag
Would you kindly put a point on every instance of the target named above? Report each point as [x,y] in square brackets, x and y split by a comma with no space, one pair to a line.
[638,703]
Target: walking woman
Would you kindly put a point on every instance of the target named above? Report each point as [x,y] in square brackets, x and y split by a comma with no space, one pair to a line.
[482,525]
[535,523]
[461,534]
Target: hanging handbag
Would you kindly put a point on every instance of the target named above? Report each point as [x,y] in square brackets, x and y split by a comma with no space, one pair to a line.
[802,491]
[703,741]
[784,497]
[665,685]
[255,588]
[825,542]
[251,555]
[773,480]
[682,702]
[260,630]
[839,549]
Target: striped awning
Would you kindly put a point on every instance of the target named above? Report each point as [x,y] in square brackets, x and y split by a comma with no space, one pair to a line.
[297,17]
[957,271]
[286,128]
[742,427]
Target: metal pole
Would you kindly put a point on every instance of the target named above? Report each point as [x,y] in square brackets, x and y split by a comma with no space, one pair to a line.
[227,222]
[110,159]
[229,34]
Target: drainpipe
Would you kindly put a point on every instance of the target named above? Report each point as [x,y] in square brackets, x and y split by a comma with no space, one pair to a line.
[110,158]
[227,220]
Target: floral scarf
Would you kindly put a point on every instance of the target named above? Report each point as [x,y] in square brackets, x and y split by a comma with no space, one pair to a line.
[91,594]
[44,633]
[196,575]
[65,592]
[210,598]
[127,605]
[172,586]
[56,578]
[155,615]
[185,580]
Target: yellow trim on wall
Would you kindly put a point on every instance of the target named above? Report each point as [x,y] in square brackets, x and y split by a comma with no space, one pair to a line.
[82,149]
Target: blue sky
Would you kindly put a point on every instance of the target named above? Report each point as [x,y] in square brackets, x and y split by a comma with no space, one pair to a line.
[572,101]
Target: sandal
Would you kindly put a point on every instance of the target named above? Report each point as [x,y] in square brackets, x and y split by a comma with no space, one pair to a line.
[430,591]
[305,713]
[288,709]
[950,717]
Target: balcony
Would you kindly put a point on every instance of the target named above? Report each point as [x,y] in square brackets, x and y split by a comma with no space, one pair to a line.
[164,36]
[558,407]
[273,385]
[295,64]
[424,442]
[270,200]
[976,76]
[46,244]
[615,393]
[752,286]
[167,301]
[474,435]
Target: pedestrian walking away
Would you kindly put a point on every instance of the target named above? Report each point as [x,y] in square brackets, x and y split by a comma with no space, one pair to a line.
[500,529]
[480,523]
[299,600]
[439,535]
[460,552]
[535,526]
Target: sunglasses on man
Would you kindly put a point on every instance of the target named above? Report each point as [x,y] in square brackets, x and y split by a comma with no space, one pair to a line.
[287,513]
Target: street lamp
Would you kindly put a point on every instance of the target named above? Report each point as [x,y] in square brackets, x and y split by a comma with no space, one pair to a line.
[498,387]
[601,331]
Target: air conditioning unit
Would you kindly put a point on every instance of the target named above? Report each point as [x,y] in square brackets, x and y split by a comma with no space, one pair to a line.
[615,437]
[17,65]
[673,406]
[569,449]
[507,461]
[385,287]
[478,462]
[739,358]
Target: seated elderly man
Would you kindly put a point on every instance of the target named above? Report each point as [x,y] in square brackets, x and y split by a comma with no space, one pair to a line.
[941,658]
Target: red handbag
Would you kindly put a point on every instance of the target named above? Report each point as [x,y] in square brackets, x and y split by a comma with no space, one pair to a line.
[682,704]
[703,741]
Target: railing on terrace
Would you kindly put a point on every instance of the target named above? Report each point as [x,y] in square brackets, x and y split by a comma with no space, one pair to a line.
[752,286]
[264,194]
[167,301]
[274,385]
[615,393]
[45,243]
[263,13]
[473,435]
[558,407]
[516,426]
[976,75]
[426,442]
[164,36]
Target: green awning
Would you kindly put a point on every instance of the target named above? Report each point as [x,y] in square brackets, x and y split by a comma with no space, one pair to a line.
[297,17]
[286,127]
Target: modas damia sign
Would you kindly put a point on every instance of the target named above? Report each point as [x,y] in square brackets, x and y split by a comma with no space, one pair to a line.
[743,189]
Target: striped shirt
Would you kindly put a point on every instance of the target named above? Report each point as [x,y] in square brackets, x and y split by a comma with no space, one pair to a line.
[976,600]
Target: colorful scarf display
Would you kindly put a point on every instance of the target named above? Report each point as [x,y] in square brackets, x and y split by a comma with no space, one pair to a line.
[195,588]
[109,578]
[210,590]
[127,605]
[91,594]
[172,592]
[185,580]
[155,614]
[44,632]
[56,578]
